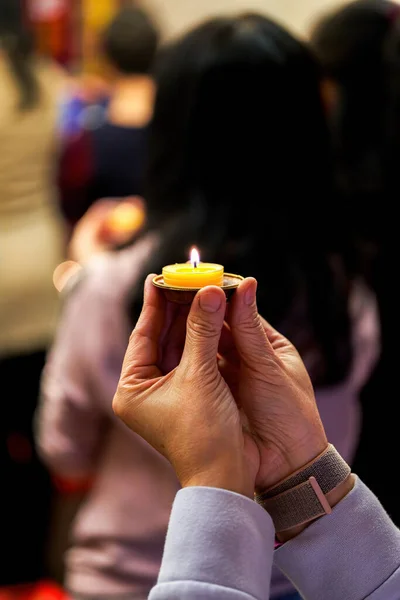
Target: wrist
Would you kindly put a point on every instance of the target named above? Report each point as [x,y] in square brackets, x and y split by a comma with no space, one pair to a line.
[307,494]
[222,478]
[298,458]
[333,498]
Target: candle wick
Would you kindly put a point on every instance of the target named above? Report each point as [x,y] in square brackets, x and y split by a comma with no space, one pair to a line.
[195,264]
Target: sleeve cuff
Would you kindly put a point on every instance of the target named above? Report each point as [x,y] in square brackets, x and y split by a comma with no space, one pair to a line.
[221,539]
[356,548]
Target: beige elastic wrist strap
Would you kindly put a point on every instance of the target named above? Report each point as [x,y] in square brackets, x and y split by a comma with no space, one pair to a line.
[301,498]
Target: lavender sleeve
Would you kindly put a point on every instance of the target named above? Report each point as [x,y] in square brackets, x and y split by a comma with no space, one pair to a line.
[353,553]
[68,423]
[84,364]
[220,546]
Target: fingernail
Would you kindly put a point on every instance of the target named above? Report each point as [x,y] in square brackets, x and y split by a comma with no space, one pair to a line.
[250,295]
[210,302]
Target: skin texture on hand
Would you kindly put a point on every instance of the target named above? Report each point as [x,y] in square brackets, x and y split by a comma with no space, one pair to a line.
[172,394]
[272,387]
[228,403]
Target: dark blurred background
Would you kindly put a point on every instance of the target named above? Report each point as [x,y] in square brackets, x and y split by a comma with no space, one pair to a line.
[66,34]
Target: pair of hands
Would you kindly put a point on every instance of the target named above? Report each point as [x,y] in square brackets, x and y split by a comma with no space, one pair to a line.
[220,393]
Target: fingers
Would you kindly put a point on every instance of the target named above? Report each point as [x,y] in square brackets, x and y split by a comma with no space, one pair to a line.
[144,342]
[227,349]
[97,214]
[101,208]
[173,339]
[86,239]
[276,339]
[136,201]
[203,329]
[247,328]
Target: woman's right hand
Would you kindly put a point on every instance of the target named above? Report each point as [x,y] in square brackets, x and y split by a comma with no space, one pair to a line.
[172,394]
[272,387]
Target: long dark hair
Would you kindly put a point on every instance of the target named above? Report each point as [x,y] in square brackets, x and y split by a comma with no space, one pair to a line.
[240,165]
[17,44]
[358,47]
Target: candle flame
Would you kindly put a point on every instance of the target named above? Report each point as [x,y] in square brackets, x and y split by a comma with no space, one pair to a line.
[194,258]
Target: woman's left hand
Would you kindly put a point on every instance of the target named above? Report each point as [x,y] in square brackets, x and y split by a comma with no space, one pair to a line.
[178,401]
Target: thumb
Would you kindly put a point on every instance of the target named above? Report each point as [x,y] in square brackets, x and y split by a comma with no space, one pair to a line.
[246,324]
[204,326]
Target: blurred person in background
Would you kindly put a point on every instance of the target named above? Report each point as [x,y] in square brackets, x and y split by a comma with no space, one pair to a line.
[358,47]
[230,152]
[32,244]
[85,95]
[106,158]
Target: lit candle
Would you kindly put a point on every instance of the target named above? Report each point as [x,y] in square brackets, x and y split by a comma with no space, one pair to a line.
[193,274]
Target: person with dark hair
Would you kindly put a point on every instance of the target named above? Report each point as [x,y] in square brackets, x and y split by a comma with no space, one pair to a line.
[358,48]
[32,244]
[105,159]
[130,42]
[238,142]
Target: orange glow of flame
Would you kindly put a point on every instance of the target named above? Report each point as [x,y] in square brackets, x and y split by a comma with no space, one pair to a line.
[194,258]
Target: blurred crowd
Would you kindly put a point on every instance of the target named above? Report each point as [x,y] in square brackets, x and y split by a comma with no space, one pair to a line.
[277,158]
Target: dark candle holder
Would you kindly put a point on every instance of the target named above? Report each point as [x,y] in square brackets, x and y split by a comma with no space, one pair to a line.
[185,295]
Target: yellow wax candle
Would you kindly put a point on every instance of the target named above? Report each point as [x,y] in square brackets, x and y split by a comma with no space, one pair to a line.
[193,274]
